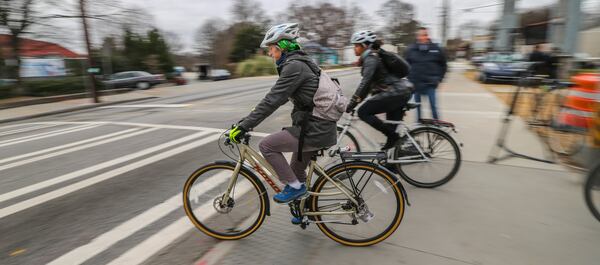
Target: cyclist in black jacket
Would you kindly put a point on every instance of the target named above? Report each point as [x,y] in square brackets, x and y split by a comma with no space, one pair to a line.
[390,93]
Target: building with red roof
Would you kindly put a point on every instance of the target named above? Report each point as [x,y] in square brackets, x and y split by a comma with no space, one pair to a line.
[35,49]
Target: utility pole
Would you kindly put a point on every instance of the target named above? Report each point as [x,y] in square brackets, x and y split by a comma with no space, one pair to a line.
[507,24]
[445,12]
[572,26]
[90,63]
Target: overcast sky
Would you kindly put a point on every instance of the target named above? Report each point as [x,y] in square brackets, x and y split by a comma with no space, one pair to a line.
[185,16]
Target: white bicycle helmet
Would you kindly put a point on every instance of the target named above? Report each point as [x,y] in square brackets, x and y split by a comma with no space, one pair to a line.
[363,36]
[288,31]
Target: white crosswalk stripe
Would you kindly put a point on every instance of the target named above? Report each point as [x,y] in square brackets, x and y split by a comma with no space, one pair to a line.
[52,149]
[167,235]
[128,228]
[44,184]
[111,138]
[102,171]
[15,208]
[46,135]
[33,128]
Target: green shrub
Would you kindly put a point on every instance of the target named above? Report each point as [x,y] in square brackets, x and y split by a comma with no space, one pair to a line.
[256,66]
[6,91]
[58,86]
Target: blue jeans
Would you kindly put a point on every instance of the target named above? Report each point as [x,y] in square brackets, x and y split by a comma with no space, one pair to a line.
[430,92]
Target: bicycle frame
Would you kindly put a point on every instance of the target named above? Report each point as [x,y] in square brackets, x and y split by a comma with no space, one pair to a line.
[256,160]
[402,129]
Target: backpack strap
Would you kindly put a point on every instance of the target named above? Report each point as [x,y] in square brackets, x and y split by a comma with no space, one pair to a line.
[307,115]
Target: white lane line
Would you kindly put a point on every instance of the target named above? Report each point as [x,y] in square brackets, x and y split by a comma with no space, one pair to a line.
[162,126]
[18,125]
[46,135]
[165,236]
[15,208]
[131,226]
[27,129]
[88,170]
[75,149]
[148,106]
[48,150]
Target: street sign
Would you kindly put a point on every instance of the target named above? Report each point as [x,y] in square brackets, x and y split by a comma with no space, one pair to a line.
[93,70]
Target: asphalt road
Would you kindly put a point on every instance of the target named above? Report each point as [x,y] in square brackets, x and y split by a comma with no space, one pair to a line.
[71,179]
[102,186]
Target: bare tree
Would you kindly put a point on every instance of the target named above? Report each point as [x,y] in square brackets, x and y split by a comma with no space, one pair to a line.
[206,36]
[399,21]
[327,24]
[173,39]
[360,19]
[16,18]
[248,11]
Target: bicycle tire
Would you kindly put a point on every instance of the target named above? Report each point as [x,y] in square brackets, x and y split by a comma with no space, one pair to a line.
[356,147]
[399,195]
[200,221]
[593,180]
[423,184]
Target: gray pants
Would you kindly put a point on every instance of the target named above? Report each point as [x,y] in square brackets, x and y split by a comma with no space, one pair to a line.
[272,148]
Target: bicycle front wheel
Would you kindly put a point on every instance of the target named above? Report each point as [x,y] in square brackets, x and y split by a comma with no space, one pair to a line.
[225,217]
[380,208]
[438,147]
[592,192]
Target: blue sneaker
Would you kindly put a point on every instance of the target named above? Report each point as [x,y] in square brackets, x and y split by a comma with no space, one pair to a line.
[289,194]
[296,220]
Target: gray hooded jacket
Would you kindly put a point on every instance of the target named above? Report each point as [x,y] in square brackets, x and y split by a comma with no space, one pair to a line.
[298,81]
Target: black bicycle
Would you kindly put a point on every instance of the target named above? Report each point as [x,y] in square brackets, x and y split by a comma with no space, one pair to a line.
[426,155]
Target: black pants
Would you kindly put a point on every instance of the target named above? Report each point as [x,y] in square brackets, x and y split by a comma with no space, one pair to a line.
[391,105]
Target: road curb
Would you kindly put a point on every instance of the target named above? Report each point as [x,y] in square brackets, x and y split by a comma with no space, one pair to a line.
[78,108]
[52,99]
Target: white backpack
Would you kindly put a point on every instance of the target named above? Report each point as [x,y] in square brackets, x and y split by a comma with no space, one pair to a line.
[329,100]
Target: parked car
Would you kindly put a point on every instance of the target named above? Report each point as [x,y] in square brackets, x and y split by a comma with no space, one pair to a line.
[477,60]
[219,74]
[134,79]
[502,67]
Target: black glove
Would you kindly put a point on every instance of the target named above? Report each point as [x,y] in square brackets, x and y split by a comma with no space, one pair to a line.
[351,105]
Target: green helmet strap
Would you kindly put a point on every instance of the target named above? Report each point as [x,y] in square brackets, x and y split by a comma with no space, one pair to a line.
[288,45]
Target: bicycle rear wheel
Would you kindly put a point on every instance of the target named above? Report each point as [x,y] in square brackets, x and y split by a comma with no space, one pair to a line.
[230,218]
[380,197]
[441,150]
[592,192]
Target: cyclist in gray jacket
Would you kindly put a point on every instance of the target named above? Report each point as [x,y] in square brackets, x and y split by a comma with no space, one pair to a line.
[390,92]
[298,81]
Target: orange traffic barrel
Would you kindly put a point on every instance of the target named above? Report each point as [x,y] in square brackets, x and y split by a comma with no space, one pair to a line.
[580,104]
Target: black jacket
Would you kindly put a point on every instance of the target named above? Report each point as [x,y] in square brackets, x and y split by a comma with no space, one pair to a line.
[298,81]
[427,62]
[377,79]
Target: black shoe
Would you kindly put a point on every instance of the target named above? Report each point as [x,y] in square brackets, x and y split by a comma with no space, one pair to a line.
[392,168]
[391,141]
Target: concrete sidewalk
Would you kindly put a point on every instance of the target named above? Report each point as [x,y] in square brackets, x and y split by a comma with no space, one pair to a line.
[518,212]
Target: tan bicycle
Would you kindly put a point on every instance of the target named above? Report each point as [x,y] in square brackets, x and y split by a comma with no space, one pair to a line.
[355,203]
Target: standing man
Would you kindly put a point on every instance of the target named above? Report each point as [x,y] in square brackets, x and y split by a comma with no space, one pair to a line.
[428,67]
[541,60]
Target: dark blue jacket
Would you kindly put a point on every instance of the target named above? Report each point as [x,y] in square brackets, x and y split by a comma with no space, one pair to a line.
[427,63]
